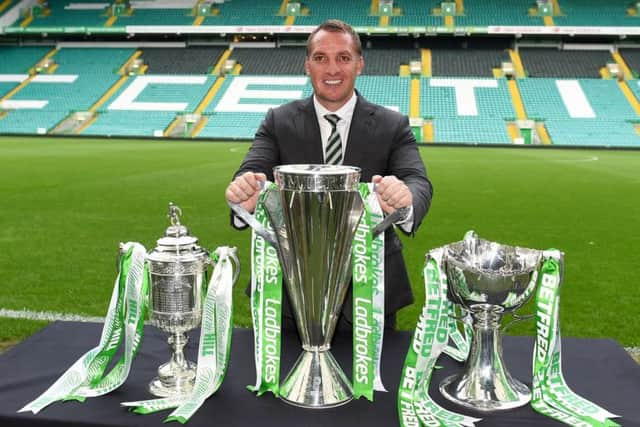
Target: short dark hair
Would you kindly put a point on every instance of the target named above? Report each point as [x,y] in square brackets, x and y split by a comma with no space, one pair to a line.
[336,26]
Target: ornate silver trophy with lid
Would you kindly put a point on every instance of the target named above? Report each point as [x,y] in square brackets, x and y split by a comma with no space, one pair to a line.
[489,280]
[177,269]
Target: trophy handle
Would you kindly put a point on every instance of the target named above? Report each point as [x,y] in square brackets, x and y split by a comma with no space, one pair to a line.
[559,256]
[389,220]
[515,318]
[252,222]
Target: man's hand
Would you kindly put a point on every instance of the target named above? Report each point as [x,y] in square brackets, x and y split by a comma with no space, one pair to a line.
[392,193]
[245,190]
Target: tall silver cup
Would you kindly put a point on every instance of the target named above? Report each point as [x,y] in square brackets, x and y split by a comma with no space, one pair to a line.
[488,279]
[314,211]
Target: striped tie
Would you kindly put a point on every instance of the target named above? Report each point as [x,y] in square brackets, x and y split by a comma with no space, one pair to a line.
[333,152]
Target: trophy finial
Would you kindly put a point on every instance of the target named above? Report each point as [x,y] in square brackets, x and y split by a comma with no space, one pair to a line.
[174,214]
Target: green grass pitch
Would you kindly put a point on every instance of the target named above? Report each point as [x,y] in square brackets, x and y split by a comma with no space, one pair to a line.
[65,204]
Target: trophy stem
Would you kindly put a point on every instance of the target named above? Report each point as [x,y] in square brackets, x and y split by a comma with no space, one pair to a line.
[177,342]
[178,375]
[485,384]
[316,381]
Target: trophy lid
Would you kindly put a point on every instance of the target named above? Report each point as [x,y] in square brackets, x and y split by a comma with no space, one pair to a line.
[176,241]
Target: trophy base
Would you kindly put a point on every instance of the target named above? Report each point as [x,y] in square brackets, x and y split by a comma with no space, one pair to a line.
[173,380]
[316,381]
[485,396]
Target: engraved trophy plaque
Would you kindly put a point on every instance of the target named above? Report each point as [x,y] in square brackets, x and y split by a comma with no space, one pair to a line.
[488,279]
[177,268]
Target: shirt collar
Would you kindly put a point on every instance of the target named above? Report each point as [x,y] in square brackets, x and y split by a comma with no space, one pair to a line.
[345,112]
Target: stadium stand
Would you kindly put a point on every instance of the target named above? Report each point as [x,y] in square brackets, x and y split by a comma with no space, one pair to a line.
[82,76]
[553,99]
[601,117]
[99,61]
[269,61]
[386,62]
[488,12]
[595,12]
[191,60]
[20,59]
[355,12]
[231,126]
[594,133]
[259,93]
[392,92]
[247,12]
[63,14]
[467,63]
[632,59]
[540,62]
[129,123]
[415,13]
[157,17]
[475,115]
[152,101]
[470,131]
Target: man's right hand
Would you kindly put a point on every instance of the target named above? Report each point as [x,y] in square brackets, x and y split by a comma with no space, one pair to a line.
[245,190]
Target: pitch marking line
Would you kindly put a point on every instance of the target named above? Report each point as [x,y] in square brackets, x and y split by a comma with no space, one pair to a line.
[587,159]
[48,316]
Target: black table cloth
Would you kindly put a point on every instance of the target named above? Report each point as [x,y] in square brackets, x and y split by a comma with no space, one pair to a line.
[599,370]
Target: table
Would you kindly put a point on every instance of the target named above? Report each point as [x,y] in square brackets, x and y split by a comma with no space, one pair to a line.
[598,369]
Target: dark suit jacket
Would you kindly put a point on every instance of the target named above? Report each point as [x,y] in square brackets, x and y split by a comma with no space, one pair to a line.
[380,142]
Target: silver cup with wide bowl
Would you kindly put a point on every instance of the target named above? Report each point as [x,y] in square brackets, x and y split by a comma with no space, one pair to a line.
[177,268]
[488,279]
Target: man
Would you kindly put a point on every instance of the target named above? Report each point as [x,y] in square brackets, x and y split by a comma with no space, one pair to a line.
[338,126]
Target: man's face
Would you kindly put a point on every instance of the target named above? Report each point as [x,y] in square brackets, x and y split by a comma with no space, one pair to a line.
[333,65]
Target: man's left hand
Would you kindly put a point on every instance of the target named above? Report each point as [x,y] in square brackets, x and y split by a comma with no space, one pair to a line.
[392,193]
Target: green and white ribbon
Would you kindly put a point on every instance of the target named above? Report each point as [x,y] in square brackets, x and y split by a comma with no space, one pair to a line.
[550,395]
[368,302]
[460,344]
[266,304]
[367,259]
[415,406]
[214,347]
[85,378]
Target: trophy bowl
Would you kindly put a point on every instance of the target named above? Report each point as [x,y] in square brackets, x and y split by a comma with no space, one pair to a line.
[177,268]
[488,279]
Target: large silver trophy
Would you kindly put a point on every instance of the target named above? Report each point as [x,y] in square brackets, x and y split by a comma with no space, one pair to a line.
[488,279]
[177,268]
[314,212]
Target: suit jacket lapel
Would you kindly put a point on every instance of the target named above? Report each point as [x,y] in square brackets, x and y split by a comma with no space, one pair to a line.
[307,127]
[363,126]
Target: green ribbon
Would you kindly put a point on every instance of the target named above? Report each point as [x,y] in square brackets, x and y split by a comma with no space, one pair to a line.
[266,304]
[125,316]
[429,340]
[550,395]
[214,347]
[367,259]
